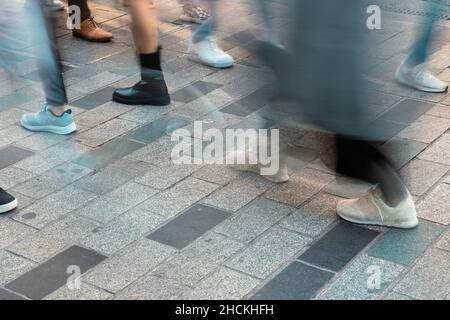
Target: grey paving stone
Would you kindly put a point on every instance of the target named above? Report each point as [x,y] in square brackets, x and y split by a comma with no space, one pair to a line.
[346,187]
[198,260]
[218,174]
[12,266]
[11,155]
[166,176]
[52,180]
[172,201]
[440,110]
[96,82]
[194,91]
[8,295]
[296,282]
[401,151]
[156,129]
[252,220]
[269,252]
[355,283]
[145,115]
[85,292]
[51,275]
[444,241]
[435,206]
[438,151]
[123,230]
[112,176]
[426,279]
[189,226]
[105,132]
[224,284]
[107,207]
[313,217]
[249,104]
[340,245]
[405,246]
[396,296]
[239,192]
[94,99]
[157,153]
[12,231]
[211,120]
[11,176]
[52,239]
[308,180]
[41,141]
[102,114]
[419,175]
[407,111]
[426,129]
[125,267]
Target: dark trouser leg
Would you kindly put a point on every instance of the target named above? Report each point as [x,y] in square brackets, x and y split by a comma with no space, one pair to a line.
[84,8]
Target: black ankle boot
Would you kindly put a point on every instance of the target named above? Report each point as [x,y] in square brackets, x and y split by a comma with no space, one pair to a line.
[151,90]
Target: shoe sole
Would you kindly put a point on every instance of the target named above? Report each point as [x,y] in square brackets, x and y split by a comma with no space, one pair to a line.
[163,101]
[400,80]
[190,19]
[8,207]
[403,225]
[52,129]
[77,35]
[214,65]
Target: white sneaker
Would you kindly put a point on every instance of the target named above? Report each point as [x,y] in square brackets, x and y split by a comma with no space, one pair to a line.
[208,53]
[420,78]
[371,209]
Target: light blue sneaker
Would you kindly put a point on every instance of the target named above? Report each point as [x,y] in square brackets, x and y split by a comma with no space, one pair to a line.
[46,121]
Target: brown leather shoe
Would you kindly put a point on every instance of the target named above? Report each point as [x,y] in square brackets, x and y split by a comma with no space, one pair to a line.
[90,31]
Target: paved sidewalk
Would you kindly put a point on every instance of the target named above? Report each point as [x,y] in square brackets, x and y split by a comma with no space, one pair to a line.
[108,199]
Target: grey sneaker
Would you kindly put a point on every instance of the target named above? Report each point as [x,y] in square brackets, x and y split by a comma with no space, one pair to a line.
[46,121]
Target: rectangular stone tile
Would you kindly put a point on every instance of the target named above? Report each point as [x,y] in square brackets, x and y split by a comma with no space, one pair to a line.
[296,282]
[54,206]
[441,110]
[102,114]
[108,153]
[51,275]
[224,284]
[189,226]
[336,248]
[249,104]
[41,141]
[12,231]
[239,192]
[428,279]
[354,283]
[85,292]
[347,187]
[157,153]
[269,252]
[313,217]
[407,111]
[102,79]
[105,132]
[194,91]
[156,129]
[41,245]
[119,271]
[405,246]
[172,201]
[308,180]
[419,175]
[11,176]
[145,115]
[107,207]
[252,220]
[94,99]
[438,151]
[123,230]
[401,151]
[11,155]
[198,260]
[166,176]
[218,174]
[436,205]
[12,266]
[426,129]
[384,130]
[52,180]
[9,296]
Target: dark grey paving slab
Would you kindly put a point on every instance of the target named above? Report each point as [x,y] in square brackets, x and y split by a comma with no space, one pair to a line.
[107,153]
[241,37]
[12,154]
[51,275]
[407,111]
[297,282]
[384,130]
[194,91]
[405,246]
[189,226]
[336,248]
[249,104]
[94,99]
[17,98]
[7,295]
[156,129]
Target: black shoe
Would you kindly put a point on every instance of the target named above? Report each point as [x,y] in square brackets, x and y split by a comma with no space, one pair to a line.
[7,201]
[149,91]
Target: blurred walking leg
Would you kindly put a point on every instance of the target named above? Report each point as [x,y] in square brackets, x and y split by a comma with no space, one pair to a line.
[151,89]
